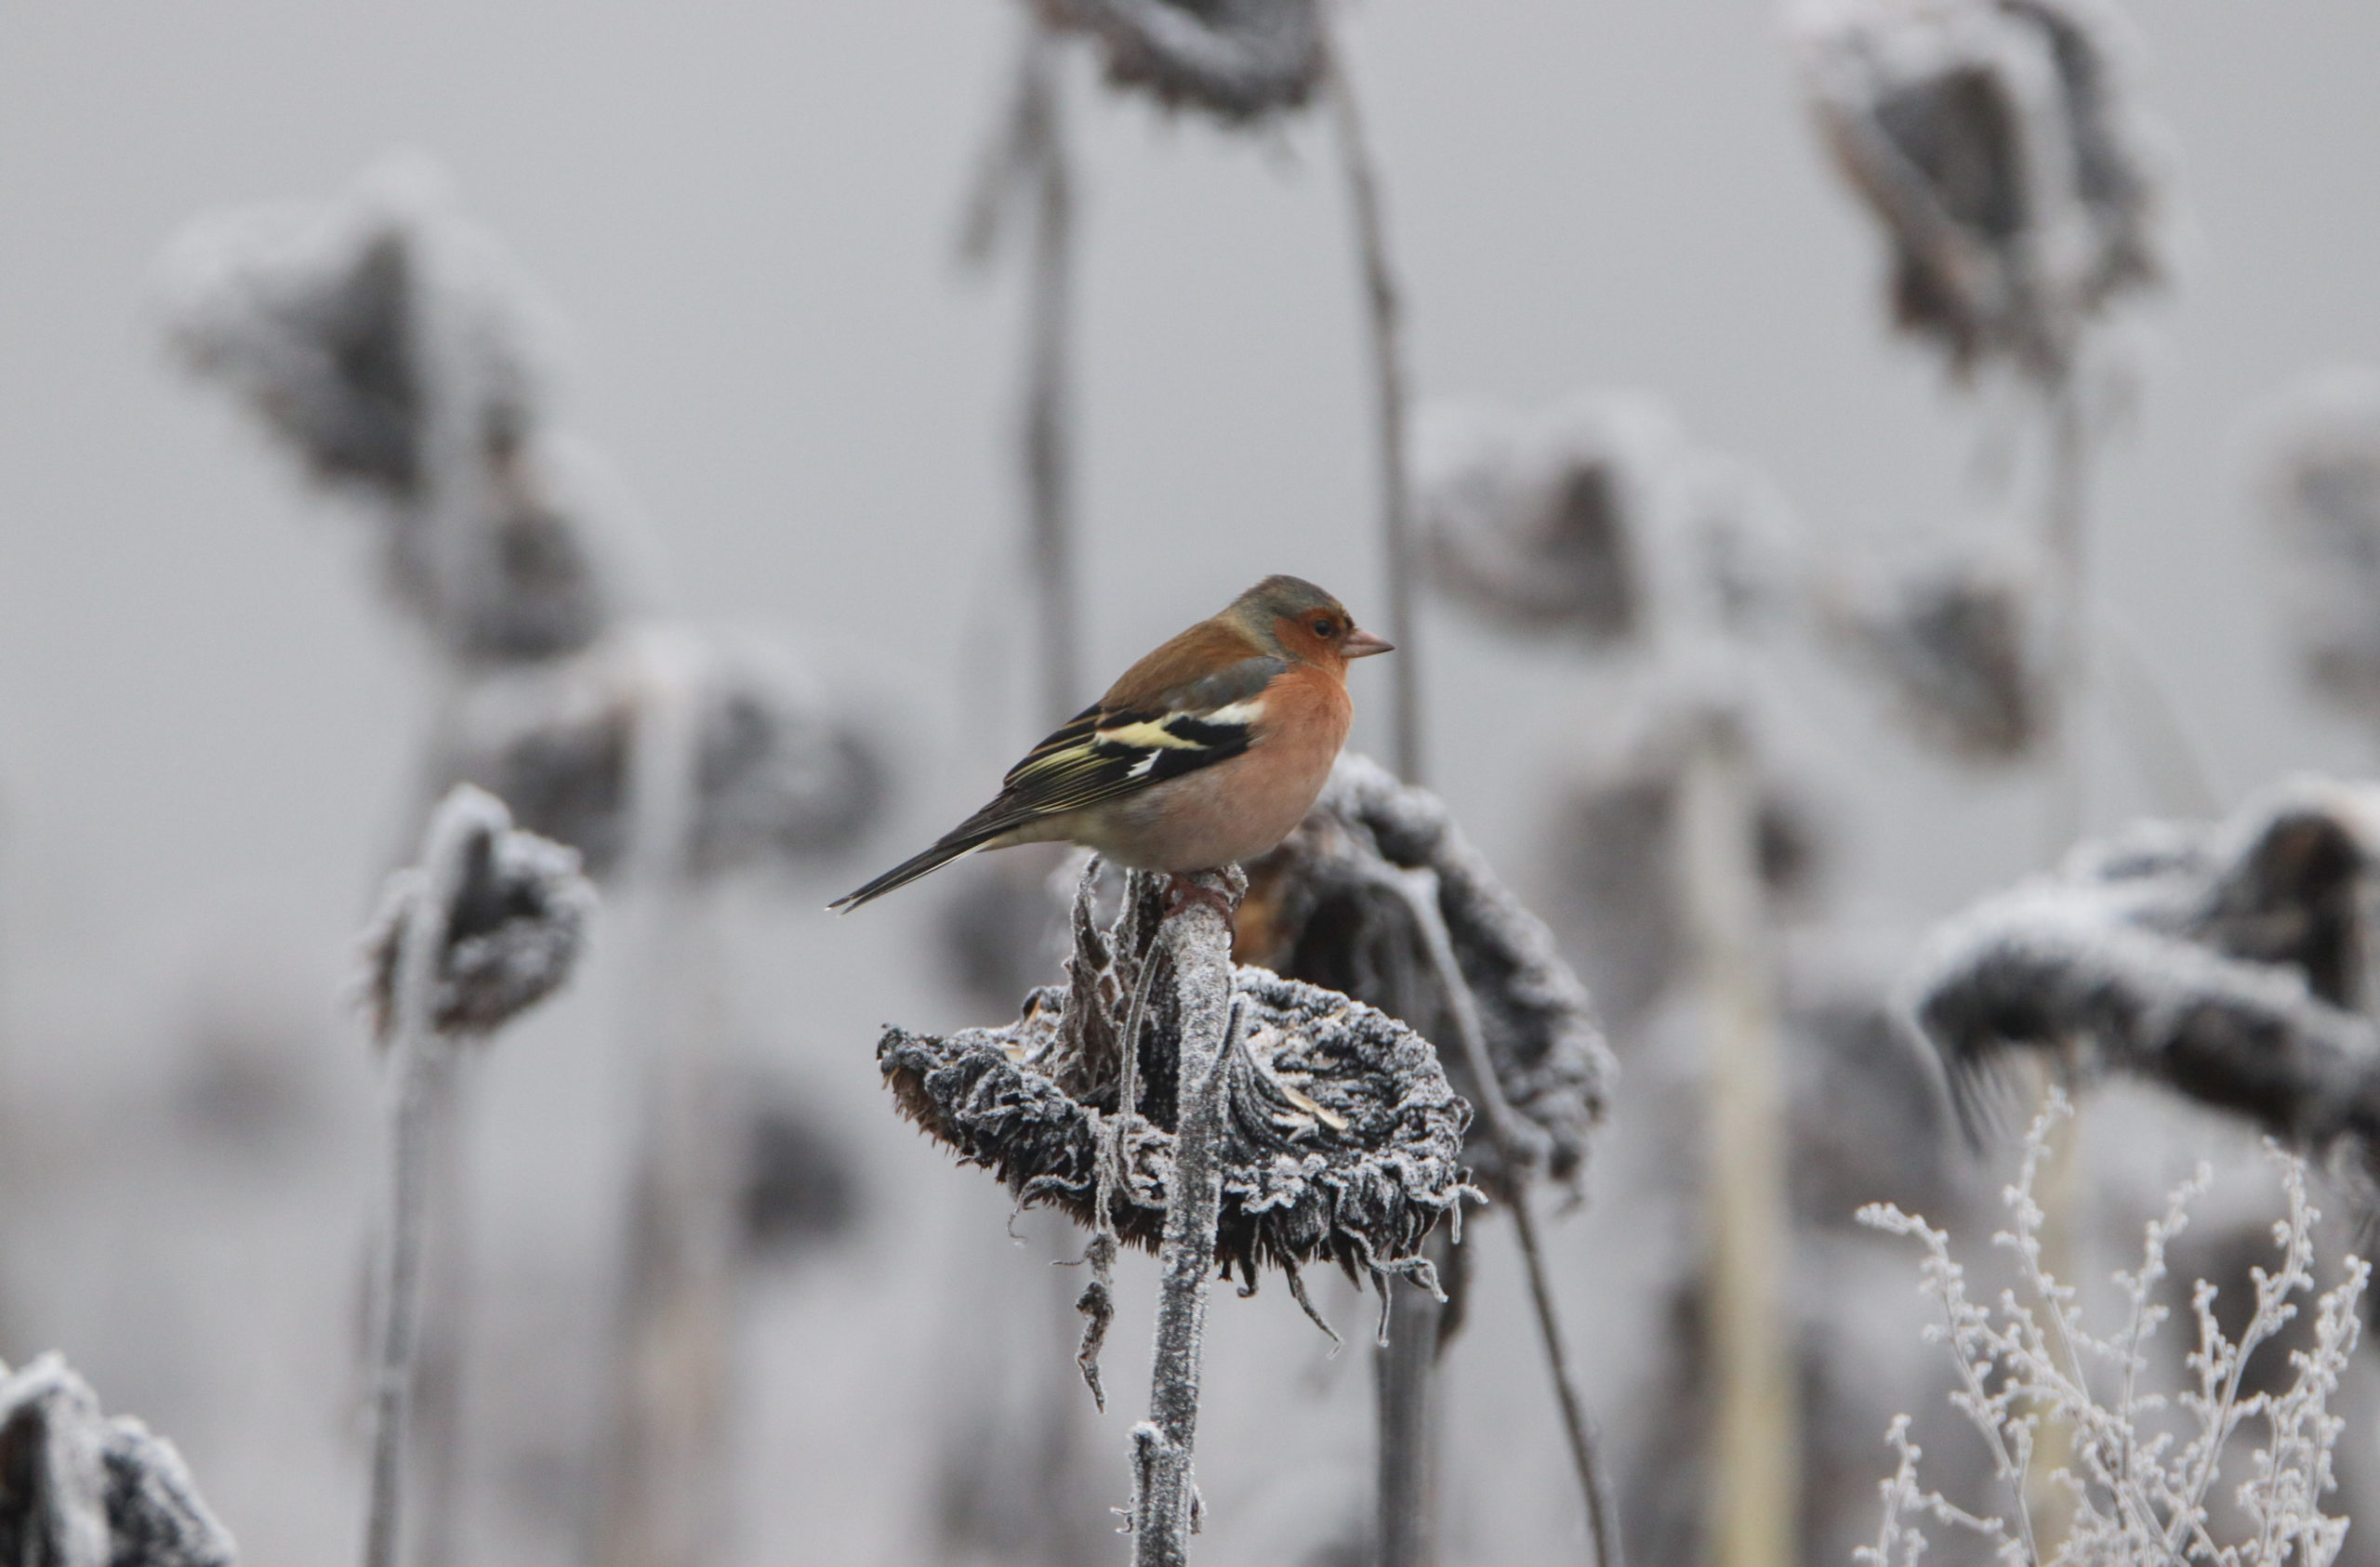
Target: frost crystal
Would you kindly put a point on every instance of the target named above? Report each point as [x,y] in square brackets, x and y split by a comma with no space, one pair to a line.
[83,1490]
[2228,963]
[1994,141]
[1333,906]
[1343,1141]
[1239,59]
[515,919]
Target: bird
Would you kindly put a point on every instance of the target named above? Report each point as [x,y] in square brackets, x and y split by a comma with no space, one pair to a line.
[1208,752]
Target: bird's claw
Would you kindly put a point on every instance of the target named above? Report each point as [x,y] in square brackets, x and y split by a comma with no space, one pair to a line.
[1184,890]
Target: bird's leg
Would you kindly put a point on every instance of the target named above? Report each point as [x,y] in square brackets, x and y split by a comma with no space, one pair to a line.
[1220,889]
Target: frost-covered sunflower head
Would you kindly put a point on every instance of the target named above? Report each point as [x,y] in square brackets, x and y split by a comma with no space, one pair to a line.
[1240,61]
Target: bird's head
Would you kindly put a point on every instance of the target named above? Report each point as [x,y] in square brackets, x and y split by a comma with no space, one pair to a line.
[1303,623]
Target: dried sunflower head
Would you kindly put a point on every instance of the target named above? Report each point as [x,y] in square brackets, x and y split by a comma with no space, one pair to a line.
[1595,517]
[2317,452]
[1238,59]
[516,918]
[2226,962]
[1342,1141]
[83,1488]
[1994,141]
[396,353]
[1550,521]
[540,575]
[1332,906]
[330,319]
[1614,861]
[1962,646]
[775,772]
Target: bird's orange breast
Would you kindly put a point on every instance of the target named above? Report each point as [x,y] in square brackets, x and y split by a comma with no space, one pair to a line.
[1238,810]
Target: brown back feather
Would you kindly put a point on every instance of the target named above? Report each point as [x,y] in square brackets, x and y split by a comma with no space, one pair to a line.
[1200,651]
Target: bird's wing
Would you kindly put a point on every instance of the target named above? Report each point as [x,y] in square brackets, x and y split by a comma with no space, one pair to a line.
[1115,748]
[1157,723]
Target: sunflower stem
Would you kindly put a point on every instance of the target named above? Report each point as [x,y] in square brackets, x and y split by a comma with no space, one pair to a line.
[2066,543]
[1420,888]
[1405,1365]
[425,1066]
[1755,1493]
[1383,314]
[1404,1396]
[1165,1502]
[664,1480]
[1024,164]
[1578,1426]
[1049,393]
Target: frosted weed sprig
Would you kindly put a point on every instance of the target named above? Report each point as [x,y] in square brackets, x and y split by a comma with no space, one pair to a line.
[2142,1469]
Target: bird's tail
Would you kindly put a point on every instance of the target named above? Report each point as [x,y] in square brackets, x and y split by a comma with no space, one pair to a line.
[966,840]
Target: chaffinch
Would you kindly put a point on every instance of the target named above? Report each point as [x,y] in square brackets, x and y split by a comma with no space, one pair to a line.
[1208,752]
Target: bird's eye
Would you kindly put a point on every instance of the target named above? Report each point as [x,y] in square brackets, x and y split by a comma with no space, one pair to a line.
[1323,627]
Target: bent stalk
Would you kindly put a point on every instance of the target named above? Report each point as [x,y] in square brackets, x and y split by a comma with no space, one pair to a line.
[1420,890]
[425,1066]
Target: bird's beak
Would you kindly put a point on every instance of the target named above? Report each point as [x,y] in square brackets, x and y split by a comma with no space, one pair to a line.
[1363,644]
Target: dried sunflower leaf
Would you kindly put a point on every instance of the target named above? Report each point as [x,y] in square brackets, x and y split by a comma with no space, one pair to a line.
[1324,907]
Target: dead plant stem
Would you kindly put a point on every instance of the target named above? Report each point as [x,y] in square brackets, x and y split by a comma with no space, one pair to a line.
[1165,1494]
[1521,1155]
[1049,396]
[1756,1428]
[1383,313]
[425,1068]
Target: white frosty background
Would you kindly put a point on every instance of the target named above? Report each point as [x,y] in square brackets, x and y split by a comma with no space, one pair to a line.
[745,211]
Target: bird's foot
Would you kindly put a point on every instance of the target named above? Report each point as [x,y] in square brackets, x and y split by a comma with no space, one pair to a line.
[1220,890]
